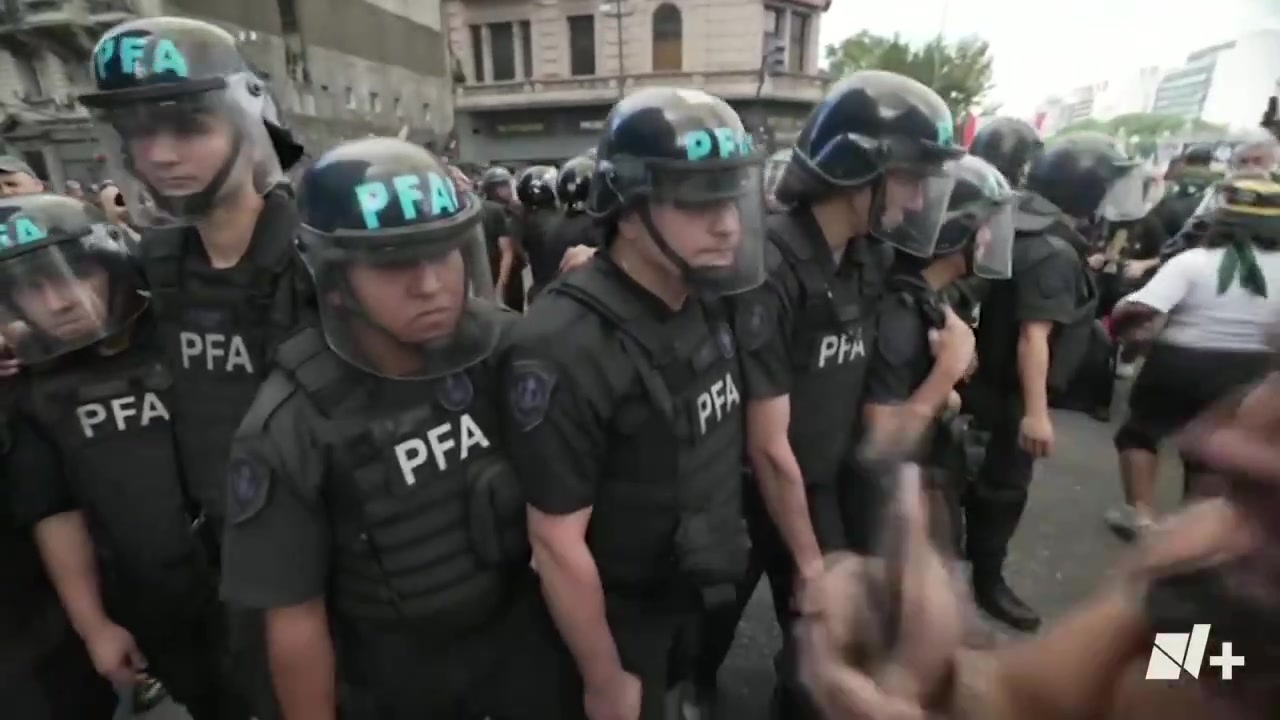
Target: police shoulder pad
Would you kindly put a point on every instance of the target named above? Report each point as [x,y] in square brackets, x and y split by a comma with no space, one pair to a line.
[248,486]
[529,392]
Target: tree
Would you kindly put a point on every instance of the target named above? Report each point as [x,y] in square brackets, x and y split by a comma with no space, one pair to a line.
[960,72]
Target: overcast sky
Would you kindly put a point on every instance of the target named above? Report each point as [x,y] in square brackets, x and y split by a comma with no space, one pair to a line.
[1042,48]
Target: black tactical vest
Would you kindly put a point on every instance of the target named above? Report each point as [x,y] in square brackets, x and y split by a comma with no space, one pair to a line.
[218,340]
[428,520]
[668,512]
[110,418]
[834,326]
[1073,333]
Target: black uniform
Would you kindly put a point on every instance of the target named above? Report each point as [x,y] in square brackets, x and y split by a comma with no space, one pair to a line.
[1050,284]
[81,421]
[167,76]
[572,227]
[41,658]
[621,404]
[389,497]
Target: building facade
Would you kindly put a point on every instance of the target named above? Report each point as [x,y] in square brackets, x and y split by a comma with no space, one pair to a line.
[1126,94]
[340,69]
[541,75]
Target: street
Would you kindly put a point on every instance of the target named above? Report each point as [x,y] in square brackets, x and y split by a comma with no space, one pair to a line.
[1061,550]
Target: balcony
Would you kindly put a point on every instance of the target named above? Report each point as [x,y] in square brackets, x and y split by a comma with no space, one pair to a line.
[551,92]
[71,25]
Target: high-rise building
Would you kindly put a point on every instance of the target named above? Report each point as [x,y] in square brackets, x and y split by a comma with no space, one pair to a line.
[540,76]
[340,69]
[1225,84]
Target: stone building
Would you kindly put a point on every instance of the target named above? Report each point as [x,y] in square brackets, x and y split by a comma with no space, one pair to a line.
[541,75]
[340,69]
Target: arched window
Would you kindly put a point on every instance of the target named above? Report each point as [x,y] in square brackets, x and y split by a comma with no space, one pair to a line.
[668,38]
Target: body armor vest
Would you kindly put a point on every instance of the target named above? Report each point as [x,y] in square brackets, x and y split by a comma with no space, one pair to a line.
[218,340]
[110,421]
[428,519]
[668,512]
[833,328]
[1072,334]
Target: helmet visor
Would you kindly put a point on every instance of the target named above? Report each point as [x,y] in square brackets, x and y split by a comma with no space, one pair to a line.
[711,216]
[190,152]
[1126,198]
[993,245]
[910,210]
[409,304]
[66,296]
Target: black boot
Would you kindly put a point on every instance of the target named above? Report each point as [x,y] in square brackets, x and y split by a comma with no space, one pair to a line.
[998,600]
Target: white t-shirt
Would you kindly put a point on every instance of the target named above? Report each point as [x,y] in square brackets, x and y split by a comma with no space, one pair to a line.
[1186,289]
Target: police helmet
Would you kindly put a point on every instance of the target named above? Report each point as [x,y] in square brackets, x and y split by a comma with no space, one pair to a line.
[1009,144]
[686,150]
[68,276]
[875,129]
[1198,154]
[1087,174]
[536,187]
[979,218]
[184,80]
[492,182]
[399,260]
[573,183]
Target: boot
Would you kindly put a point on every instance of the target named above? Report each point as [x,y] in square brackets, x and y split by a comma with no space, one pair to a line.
[998,600]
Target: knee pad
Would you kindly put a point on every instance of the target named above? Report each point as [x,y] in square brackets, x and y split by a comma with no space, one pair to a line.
[1132,437]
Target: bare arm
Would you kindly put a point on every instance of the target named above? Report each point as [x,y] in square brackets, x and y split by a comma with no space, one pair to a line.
[779,479]
[300,651]
[67,550]
[505,263]
[1033,366]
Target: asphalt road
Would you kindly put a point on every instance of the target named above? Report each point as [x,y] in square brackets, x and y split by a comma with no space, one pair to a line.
[1061,550]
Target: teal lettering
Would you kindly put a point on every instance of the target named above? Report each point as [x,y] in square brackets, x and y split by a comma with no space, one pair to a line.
[21,231]
[946,132]
[727,142]
[373,198]
[105,51]
[444,197]
[408,193]
[167,59]
[697,144]
[131,51]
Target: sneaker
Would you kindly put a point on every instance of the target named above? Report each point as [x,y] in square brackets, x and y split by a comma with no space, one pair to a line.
[1127,522]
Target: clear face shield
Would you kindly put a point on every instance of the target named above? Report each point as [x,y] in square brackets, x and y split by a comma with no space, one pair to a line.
[408,304]
[710,216]
[910,210]
[67,296]
[993,245]
[189,153]
[1127,198]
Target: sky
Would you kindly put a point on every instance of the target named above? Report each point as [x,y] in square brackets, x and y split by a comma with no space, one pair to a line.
[1044,48]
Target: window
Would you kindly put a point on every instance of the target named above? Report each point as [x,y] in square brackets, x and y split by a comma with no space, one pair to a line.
[502,43]
[426,112]
[798,43]
[668,38]
[526,47]
[582,45]
[28,74]
[351,98]
[288,16]
[396,107]
[477,53]
[375,102]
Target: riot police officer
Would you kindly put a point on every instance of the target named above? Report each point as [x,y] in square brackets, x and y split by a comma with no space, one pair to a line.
[373,514]
[1010,145]
[502,235]
[536,189]
[625,399]
[576,227]
[805,333]
[94,455]
[977,240]
[1035,329]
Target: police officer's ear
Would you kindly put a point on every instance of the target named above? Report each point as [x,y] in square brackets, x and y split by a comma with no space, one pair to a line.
[629,225]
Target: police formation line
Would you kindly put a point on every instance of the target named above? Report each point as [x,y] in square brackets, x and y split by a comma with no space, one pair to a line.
[289,455]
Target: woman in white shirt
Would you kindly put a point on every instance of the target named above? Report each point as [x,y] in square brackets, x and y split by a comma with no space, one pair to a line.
[1220,302]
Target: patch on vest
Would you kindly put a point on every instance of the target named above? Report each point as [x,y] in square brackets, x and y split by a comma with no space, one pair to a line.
[530,393]
[455,392]
[724,340]
[248,485]
[753,324]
